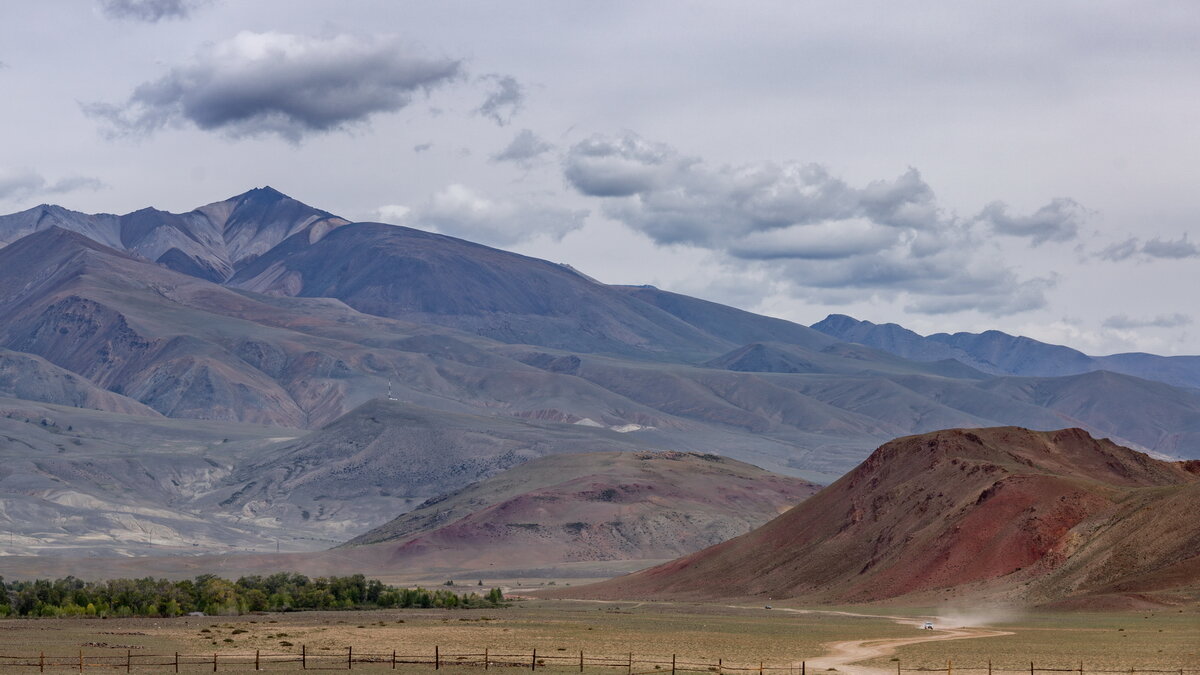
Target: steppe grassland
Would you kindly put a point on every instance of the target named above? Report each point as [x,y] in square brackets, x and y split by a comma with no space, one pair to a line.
[694,632]
[1164,639]
[650,630]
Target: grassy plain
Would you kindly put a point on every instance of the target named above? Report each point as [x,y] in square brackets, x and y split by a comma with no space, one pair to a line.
[560,629]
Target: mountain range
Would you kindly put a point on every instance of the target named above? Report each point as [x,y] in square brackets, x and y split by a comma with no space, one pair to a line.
[998,353]
[368,367]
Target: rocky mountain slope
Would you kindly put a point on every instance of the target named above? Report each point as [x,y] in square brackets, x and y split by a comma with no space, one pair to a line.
[77,482]
[1041,517]
[595,506]
[210,242]
[998,353]
[385,458]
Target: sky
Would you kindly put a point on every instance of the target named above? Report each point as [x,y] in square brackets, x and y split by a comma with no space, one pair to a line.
[1022,166]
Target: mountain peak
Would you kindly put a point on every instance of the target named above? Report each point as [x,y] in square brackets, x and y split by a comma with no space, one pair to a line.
[264,193]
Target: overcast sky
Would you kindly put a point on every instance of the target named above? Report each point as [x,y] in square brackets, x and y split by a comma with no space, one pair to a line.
[1024,166]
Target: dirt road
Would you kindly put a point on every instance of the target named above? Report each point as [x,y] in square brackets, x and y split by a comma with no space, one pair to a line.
[843,655]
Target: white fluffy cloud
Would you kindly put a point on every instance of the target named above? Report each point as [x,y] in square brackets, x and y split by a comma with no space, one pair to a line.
[281,84]
[823,234]
[461,212]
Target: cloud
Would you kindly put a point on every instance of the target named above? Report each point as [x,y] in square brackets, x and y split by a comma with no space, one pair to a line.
[504,101]
[276,83]
[1156,248]
[620,166]
[1124,322]
[422,147]
[1119,251]
[392,214]
[461,212]
[1057,221]
[1178,248]
[151,11]
[20,184]
[827,237]
[523,150]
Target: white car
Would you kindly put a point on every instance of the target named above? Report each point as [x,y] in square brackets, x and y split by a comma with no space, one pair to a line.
[928,625]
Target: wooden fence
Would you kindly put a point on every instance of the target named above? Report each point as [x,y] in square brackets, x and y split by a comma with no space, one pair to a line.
[436,659]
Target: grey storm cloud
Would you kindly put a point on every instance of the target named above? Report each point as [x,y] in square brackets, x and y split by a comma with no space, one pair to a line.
[1157,248]
[459,211]
[281,84]
[422,147]
[504,101]
[1057,221]
[151,11]
[1124,322]
[525,147]
[19,184]
[817,230]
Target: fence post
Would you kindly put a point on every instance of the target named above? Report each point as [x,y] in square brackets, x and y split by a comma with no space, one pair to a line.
[214,663]
[630,663]
[42,662]
[989,667]
[437,657]
[128,660]
[303,657]
[581,660]
[949,667]
[533,660]
[721,666]
[256,660]
[176,662]
[898,667]
[1081,668]
[760,667]
[485,658]
[1031,668]
[804,667]
[672,664]
[81,660]
[393,659]
[349,658]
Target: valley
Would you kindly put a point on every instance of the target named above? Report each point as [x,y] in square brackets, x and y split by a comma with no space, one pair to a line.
[741,636]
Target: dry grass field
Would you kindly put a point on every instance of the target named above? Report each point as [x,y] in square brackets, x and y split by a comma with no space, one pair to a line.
[559,630]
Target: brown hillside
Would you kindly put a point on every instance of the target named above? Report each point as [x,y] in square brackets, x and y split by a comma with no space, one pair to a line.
[587,507]
[1032,516]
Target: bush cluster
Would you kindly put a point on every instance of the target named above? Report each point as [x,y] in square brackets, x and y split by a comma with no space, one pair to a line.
[215,596]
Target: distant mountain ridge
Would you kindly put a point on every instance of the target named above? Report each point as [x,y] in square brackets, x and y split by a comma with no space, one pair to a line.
[999,353]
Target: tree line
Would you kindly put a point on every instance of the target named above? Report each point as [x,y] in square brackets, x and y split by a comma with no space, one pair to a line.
[215,596]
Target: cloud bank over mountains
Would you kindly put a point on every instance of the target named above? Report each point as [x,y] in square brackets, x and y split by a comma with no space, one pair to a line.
[886,237]
[949,168]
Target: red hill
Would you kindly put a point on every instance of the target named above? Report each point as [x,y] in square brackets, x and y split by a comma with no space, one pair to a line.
[1028,516]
